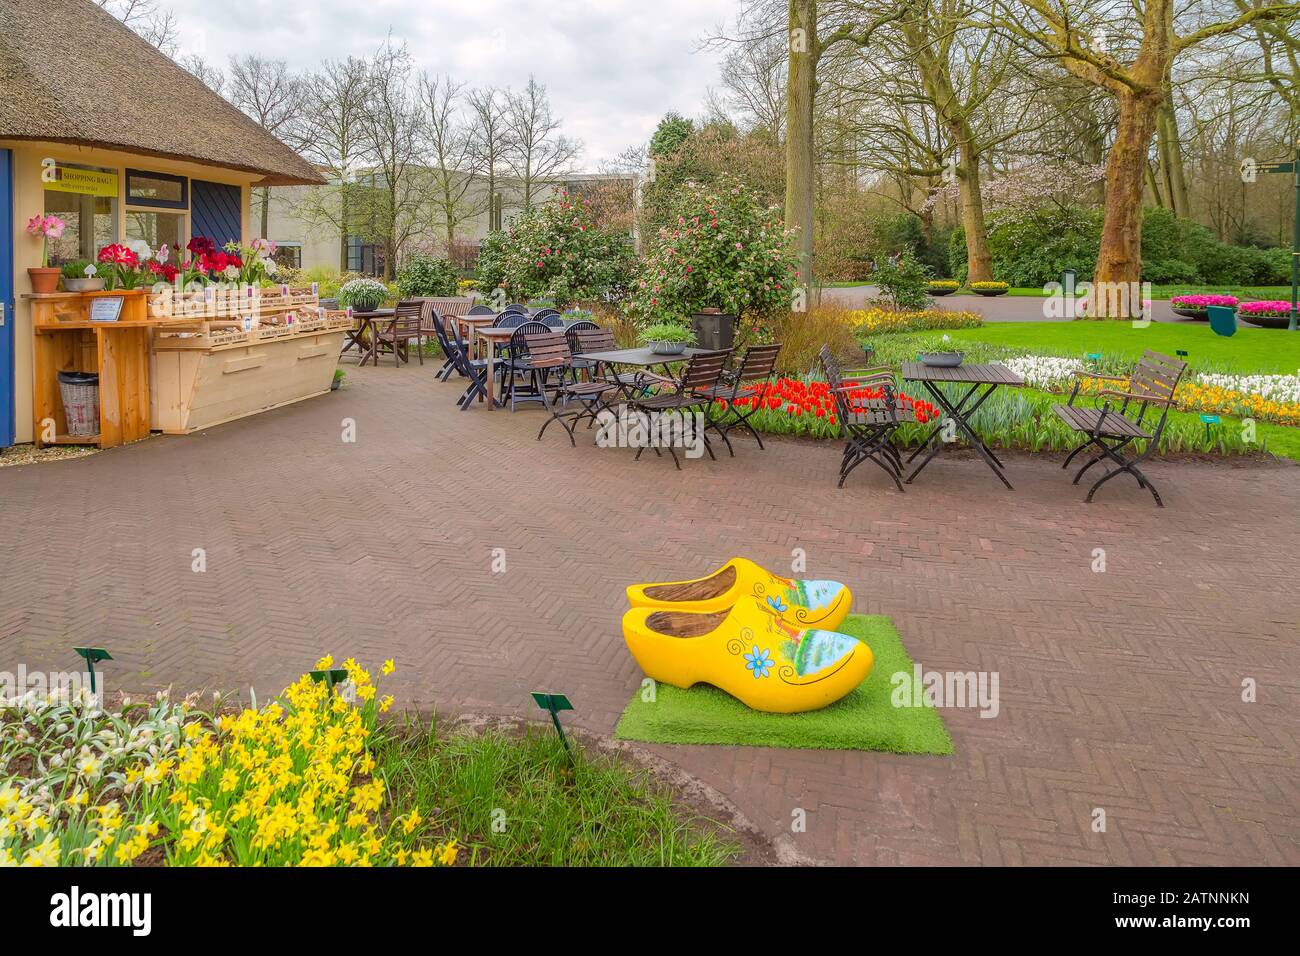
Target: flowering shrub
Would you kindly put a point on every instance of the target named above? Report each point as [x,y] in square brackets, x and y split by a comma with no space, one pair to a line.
[881,321]
[364,294]
[1201,301]
[555,252]
[289,784]
[722,249]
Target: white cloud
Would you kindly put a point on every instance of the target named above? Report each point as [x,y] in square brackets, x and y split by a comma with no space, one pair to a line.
[613,67]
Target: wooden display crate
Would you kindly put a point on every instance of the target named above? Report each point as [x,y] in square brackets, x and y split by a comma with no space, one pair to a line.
[200,388]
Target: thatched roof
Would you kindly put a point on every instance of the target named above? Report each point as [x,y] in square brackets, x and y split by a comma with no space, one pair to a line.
[70,72]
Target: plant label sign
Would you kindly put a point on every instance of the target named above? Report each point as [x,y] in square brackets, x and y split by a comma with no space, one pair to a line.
[106,308]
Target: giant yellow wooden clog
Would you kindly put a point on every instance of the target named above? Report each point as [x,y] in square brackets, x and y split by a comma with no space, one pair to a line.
[749,651]
[807,604]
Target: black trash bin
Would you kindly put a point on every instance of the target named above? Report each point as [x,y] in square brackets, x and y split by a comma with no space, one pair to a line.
[80,394]
[714,330]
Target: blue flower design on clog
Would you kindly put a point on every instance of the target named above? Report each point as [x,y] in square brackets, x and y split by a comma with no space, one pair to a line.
[778,605]
[759,661]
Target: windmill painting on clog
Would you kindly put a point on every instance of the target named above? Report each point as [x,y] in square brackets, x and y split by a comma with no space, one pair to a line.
[806,604]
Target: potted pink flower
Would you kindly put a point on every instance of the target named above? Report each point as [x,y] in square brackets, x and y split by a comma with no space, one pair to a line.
[1196,306]
[44,279]
[1274,314]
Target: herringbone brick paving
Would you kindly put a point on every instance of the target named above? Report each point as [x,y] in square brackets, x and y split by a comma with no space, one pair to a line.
[1119,690]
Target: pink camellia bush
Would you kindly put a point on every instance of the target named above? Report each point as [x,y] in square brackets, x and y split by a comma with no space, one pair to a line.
[1201,301]
[724,249]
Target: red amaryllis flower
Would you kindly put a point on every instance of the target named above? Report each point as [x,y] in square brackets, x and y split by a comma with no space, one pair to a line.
[201,245]
[118,255]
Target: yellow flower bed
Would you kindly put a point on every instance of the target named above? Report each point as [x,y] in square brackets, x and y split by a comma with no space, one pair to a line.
[1213,400]
[879,321]
[943,284]
[287,785]
[990,286]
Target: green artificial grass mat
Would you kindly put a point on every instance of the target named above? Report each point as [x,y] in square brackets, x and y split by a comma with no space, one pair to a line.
[865,719]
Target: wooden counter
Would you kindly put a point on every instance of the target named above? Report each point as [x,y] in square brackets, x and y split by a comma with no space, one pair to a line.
[65,340]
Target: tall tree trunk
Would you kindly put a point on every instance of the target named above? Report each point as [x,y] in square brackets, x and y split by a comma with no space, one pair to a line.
[979,261]
[1171,159]
[1119,259]
[800,92]
[344,221]
[266,211]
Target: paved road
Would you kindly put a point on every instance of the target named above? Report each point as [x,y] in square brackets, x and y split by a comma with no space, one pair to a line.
[1120,691]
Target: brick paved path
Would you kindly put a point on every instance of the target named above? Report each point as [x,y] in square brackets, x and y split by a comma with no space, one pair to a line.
[1119,690]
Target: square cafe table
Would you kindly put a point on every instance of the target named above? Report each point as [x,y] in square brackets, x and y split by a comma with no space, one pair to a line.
[641,357]
[983,380]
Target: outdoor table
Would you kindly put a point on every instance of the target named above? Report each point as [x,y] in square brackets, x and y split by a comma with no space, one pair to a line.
[983,380]
[490,336]
[369,322]
[469,324]
[641,357]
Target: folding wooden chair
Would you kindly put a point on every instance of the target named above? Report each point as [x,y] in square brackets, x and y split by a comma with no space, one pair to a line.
[1152,384]
[549,358]
[703,371]
[747,381]
[867,424]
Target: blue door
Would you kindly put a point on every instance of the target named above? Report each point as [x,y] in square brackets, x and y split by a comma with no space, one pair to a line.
[214,212]
[6,299]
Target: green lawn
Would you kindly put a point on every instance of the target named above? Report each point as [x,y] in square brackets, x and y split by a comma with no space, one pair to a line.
[1250,351]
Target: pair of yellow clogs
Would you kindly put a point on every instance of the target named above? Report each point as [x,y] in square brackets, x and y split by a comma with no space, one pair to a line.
[766,640]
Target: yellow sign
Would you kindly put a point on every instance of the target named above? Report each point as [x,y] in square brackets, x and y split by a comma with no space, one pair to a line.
[86,182]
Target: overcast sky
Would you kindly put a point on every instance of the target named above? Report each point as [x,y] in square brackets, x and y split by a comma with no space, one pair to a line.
[612,67]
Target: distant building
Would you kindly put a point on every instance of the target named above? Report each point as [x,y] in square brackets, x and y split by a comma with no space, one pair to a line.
[305,221]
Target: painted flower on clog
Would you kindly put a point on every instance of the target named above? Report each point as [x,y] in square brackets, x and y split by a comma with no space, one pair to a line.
[759,661]
[777,604]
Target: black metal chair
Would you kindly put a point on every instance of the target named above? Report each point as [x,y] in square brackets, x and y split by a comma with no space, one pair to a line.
[481,310]
[746,381]
[867,424]
[517,307]
[703,371]
[446,344]
[1110,430]
[475,370]
[517,364]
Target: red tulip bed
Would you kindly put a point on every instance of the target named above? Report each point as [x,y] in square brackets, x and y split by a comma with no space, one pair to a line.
[791,406]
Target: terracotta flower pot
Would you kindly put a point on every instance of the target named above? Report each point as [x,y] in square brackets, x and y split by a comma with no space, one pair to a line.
[44,281]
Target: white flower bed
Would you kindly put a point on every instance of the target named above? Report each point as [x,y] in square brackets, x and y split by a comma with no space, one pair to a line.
[1044,371]
[1272,388]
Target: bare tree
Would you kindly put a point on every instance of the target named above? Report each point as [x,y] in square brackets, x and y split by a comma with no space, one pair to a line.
[538,153]
[275,98]
[452,197]
[156,25]
[489,143]
[391,133]
[336,144]
[208,74]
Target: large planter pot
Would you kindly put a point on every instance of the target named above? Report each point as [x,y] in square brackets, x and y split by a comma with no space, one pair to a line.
[363,307]
[1265,321]
[1200,315]
[84,285]
[667,348]
[714,330]
[990,293]
[44,281]
[939,292]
